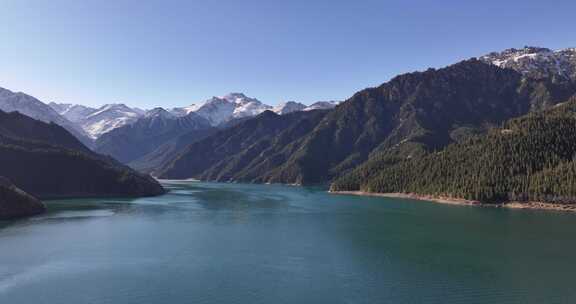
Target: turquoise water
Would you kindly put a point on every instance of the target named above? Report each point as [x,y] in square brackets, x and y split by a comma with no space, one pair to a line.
[230,243]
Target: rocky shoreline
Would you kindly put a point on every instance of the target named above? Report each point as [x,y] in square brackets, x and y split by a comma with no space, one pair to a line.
[464,202]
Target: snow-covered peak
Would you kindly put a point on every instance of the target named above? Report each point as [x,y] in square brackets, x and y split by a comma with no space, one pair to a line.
[32,107]
[537,62]
[117,107]
[239,98]
[322,105]
[288,107]
[159,113]
[220,109]
[235,96]
[109,117]
[247,107]
[182,111]
[96,122]
[73,112]
[155,118]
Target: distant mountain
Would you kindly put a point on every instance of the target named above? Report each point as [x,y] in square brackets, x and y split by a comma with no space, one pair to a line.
[16,203]
[528,159]
[414,113]
[153,161]
[46,161]
[322,105]
[218,110]
[32,107]
[107,118]
[537,62]
[288,107]
[73,112]
[158,115]
[158,126]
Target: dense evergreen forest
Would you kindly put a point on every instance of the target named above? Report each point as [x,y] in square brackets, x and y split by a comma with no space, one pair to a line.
[530,158]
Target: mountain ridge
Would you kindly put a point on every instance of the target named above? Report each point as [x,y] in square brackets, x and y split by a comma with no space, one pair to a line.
[32,107]
[132,141]
[537,62]
[426,109]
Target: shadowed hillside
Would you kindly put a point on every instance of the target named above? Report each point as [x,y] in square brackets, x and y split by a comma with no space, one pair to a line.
[46,161]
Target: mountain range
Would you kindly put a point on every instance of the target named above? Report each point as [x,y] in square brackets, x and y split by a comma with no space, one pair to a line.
[158,135]
[147,139]
[218,111]
[96,122]
[457,122]
[411,115]
[158,126]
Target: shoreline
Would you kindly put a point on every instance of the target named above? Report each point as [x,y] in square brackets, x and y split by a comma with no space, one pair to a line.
[465,202]
[431,198]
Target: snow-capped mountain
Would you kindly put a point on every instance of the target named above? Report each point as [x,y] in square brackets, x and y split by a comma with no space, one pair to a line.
[73,112]
[537,62]
[159,112]
[157,117]
[109,117]
[32,107]
[185,110]
[322,105]
[288,107]
[132,141]
[96,122]
[218,110]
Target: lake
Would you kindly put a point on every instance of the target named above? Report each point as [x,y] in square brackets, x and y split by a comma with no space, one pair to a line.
[234,243]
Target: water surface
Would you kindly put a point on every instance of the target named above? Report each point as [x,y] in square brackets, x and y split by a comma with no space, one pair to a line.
[231,243]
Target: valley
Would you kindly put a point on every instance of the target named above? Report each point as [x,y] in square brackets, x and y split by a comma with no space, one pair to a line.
[369,143]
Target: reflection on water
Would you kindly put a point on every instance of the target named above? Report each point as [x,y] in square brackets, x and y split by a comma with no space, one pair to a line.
[233,243]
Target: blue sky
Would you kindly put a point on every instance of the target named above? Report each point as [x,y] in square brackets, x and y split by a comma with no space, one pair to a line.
[173,53]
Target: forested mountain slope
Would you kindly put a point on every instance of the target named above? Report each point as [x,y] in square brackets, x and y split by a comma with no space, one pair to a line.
[46,161]
[530,158]
[251,150]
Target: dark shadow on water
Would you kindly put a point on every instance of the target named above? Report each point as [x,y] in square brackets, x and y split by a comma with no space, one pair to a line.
[73,210]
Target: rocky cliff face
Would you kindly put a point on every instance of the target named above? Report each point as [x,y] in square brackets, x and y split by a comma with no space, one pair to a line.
[536,62]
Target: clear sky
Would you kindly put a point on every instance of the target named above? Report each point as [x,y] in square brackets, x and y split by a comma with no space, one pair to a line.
[150,53]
